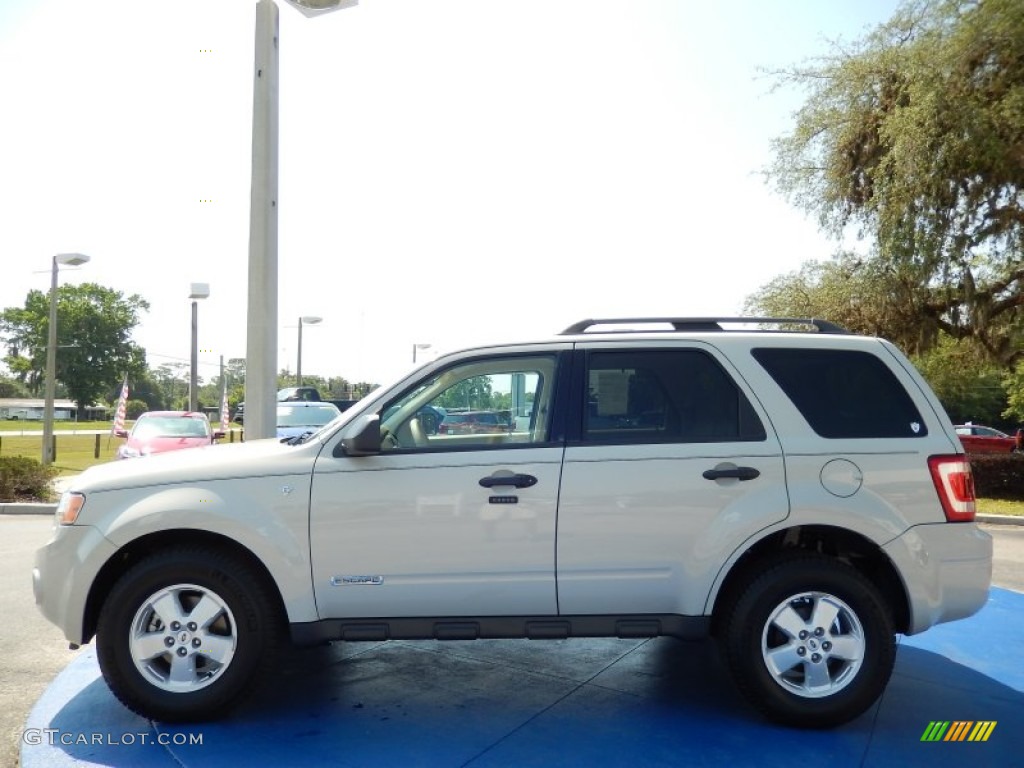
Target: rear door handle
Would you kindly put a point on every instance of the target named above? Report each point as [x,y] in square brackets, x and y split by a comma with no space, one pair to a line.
[518,481]
[740,473]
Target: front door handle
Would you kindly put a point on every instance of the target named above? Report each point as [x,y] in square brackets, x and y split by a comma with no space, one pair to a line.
[518,481]
[740,473]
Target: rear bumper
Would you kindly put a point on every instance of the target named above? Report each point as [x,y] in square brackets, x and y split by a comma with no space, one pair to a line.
[947,571]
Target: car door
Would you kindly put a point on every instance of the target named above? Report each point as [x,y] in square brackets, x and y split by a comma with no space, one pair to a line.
[439,523]
[669,466]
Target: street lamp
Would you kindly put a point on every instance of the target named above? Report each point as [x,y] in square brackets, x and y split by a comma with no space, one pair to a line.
[418,346]
[261,317]
[70,260]
[199,291]
[308,320]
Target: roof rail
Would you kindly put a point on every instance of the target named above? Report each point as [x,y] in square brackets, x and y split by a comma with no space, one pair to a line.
[701,323]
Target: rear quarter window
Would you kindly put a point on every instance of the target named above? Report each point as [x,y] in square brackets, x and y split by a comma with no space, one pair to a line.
[843,393]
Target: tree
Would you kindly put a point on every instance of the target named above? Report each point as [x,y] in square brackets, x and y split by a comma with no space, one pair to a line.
[862,295]
[967,383]
[94,346]
[471,394]
[173,381]
[12,388]
[1013,382]
[912,137]
[858,296]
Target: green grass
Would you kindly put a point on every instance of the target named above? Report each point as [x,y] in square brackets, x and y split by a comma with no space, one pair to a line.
[74,452]
[1000,507]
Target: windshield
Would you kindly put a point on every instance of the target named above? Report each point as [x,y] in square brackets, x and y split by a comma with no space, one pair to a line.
[305,416]
[171,426]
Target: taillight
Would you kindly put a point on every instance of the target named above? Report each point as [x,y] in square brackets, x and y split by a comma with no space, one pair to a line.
[955,486]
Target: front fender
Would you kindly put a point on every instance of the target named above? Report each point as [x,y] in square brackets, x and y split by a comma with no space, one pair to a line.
[269,516]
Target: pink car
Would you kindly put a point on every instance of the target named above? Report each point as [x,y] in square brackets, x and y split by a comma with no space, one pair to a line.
[161,431]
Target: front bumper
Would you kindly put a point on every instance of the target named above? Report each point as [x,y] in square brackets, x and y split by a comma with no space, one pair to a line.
[65,569]
[946,569]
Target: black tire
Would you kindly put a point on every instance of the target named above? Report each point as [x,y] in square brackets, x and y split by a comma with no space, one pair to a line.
[826,677]
[207,667]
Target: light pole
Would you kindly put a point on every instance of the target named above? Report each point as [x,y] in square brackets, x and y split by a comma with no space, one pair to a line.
[71,260]
[199,291]
[308,320]
[261,322]
[418,346]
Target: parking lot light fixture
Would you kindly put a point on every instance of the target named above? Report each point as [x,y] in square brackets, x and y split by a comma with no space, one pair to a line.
[305,320]
[318,7]
[69,260]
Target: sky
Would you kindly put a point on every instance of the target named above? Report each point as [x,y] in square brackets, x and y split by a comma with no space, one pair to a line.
[452,172]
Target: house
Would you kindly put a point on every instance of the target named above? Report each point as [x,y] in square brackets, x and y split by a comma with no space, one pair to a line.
[31,409]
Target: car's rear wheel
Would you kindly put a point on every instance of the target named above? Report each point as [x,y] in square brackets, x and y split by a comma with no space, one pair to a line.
[810,642]
[186,633]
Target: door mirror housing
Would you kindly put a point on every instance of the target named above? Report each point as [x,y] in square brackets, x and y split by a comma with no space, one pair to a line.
[364,440]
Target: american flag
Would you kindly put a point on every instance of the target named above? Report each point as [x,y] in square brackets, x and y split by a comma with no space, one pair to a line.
[122,406]
[224,414]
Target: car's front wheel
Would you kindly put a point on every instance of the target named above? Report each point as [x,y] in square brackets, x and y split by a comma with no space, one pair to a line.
[810,642]
[186,633]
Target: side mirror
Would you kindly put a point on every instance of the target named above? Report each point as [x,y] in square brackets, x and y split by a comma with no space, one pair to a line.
[120,433]
[219,433]
[365,440]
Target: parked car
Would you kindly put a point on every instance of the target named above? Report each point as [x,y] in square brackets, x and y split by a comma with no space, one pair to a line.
[299,417]
[690,480]
[475,423]
[292,394]
[162,431]
[979,439]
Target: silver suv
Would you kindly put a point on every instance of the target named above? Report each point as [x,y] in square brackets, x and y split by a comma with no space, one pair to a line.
[794,490]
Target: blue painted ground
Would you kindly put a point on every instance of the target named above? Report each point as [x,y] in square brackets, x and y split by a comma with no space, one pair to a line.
[569,703]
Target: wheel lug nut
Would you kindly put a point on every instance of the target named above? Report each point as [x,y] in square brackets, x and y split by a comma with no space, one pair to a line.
[803,634]
[168,641]
[816,657]
[818,632]
[195,642]
[801,651]
[826,646]
[175,626]
[192,626]
[182,651]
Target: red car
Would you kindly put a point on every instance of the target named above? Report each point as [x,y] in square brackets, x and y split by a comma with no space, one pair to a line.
[979,439]
[161,431]
[475,423]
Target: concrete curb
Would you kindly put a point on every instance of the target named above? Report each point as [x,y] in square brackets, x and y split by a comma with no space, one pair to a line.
[17,508]
[1001,519]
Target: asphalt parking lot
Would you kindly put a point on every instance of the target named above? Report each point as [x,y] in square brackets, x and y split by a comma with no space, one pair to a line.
[577,702]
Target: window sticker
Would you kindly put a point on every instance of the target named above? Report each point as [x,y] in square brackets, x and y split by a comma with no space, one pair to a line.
[613,393]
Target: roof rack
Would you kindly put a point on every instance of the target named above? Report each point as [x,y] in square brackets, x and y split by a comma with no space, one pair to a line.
[700,323]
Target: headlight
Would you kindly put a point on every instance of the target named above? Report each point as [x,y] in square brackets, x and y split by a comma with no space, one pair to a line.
[69,507]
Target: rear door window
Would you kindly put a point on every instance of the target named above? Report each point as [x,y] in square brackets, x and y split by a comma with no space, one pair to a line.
[843,393]
[664,396]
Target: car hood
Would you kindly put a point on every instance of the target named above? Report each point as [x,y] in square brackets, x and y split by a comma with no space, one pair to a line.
[161,444]
[210,462]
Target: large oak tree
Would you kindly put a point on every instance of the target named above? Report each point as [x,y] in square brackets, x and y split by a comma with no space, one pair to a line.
[913,137]
[94,346]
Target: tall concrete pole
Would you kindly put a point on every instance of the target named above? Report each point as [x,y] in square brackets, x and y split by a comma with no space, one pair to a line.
[261,340]
[193,376]
[51,370]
